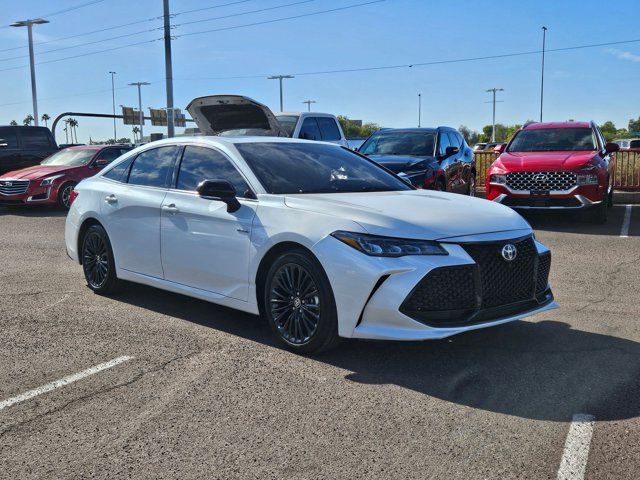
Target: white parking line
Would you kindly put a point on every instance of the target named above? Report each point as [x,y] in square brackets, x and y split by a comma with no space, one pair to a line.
[62,382]
[576,448]
[624,233]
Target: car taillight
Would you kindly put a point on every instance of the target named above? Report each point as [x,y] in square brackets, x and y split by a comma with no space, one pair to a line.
[72,196]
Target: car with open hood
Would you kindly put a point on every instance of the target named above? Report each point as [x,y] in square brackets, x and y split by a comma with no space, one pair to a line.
[320,241]
[52,181]
[434,158]
[564,166]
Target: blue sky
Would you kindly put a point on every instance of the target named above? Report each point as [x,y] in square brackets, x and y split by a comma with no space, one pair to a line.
[597,83]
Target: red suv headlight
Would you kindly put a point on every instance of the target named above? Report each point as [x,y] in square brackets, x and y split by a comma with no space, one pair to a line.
[587,179]
[500,179]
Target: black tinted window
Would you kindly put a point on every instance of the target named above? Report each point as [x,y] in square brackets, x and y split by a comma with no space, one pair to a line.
[200,163]
[443,143]
[35,138]
[8,137]
[328,128]
[309,129]
[119,172]
[285,168]
[554,139]
[110,154]
[399,142]
[152,168]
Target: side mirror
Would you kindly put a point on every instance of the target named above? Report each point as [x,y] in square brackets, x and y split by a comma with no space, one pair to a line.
[611,147]
[220,190]
[500,148]
[100,163]
[451,151]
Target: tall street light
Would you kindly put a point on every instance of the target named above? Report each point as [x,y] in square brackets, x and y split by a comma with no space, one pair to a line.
[309,102]
[113,100]
[280,77]
[29,24]
[168,69]
[419,110]
[493,130]
[544,42]
[141,114]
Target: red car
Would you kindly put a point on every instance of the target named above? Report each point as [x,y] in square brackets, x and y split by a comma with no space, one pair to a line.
[558,165]
[53,180]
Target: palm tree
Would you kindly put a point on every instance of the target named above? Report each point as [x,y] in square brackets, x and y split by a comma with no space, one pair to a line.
[73,123]
[135,131]
[27,120]
[66,130]
[13,123]
[44,118]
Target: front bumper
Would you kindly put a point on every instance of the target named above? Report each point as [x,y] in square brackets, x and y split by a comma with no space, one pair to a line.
[370,293]
[33,194]
[578,197]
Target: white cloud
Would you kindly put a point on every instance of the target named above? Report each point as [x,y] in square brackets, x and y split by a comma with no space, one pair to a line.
[623,54]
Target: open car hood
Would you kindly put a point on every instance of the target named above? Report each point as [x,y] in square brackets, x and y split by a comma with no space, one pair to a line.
[234,115]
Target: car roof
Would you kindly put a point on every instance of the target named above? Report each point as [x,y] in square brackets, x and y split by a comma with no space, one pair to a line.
[231,140]
[410,129]
[303,114]
[540,125]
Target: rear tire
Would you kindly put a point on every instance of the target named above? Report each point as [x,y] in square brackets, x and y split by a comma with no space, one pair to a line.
[63,195]
[98,263]
[299,305]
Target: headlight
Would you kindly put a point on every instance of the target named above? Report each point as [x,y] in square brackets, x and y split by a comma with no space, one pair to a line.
[376,246]
[49,180]
[501,179]
[587,179]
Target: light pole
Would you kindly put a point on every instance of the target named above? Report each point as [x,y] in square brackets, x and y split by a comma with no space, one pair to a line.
[309,102]
[113,102]
[280,77]
[493,130]
[544,42]
[29,24]
[141,114]
[168,69]
[419,110]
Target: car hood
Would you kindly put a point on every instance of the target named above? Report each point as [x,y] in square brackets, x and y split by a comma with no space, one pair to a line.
[427,215]
[400,163]
[545,160]
[215,114]
[38,171]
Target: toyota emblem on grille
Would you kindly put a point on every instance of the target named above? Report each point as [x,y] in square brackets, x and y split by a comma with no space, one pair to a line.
[540,178]
[509,252]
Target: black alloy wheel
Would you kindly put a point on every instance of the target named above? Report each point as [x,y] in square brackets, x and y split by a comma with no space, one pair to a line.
[299,303]
[97,261]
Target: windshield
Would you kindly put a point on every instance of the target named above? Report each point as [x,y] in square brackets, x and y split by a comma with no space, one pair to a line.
[70,158]
[418,144]
[288,122]
[285,168]
[554,140]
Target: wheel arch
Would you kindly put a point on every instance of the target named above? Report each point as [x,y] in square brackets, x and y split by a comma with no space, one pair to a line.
[86,224]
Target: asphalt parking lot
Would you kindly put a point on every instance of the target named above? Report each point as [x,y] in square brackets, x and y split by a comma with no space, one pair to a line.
[200,391]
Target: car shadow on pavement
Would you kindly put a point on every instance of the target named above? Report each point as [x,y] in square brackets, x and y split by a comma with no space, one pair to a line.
[544,370]
[577,222]
[32,211]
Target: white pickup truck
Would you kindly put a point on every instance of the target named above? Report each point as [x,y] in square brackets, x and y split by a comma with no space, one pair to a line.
[232,115]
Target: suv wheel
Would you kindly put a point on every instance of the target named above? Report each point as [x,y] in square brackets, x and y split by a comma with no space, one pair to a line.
[299,305]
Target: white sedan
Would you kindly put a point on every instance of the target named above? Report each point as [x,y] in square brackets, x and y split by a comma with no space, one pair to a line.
[319,240]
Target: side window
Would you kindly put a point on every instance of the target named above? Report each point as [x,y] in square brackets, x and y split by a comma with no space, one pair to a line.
[35,138]
[454,141]
[443,143]
[201,163]
[310,130]
[152,167]
[120,171]
[8,138]
[109,154]
[328,128]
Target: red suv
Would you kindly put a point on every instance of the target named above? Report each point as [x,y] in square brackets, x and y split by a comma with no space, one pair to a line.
[53,180]
[555,166]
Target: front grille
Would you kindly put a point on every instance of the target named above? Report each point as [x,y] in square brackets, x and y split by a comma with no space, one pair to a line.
[558,181]
[489,289]
[504,282]
[13,187]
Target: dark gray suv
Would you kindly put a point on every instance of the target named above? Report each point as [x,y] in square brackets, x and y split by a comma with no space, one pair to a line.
[22,147]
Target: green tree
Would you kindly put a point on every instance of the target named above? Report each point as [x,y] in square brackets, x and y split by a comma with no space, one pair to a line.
[73,123]
[13,123]
[353,129]
[634,126]
[27,120]
[471,136]
[44,118]
[609,130]
[135,131]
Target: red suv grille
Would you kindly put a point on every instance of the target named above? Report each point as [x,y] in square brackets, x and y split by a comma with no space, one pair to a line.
[559,181]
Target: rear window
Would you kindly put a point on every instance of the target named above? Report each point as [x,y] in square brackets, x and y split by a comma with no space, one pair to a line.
[634,144]
[288,122]
[8,138]
[35,138]
[554,140]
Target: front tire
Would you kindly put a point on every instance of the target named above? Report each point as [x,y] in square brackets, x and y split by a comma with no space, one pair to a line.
[97,261]
[64,193]
[299,304]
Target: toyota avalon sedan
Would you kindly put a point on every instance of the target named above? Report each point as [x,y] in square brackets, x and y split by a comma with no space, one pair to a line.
[320,241]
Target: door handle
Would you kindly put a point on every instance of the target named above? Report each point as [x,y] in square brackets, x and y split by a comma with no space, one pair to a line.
[111,199]
[171,209]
